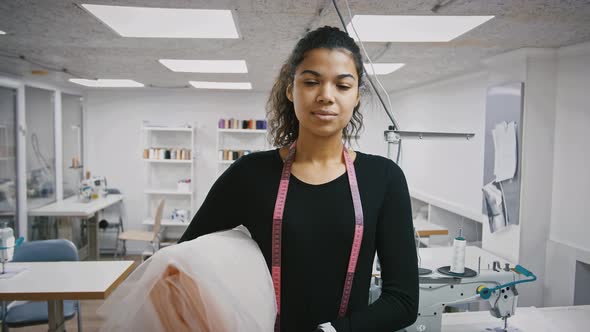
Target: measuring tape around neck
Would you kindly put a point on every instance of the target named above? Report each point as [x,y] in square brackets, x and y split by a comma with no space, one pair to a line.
[277,231]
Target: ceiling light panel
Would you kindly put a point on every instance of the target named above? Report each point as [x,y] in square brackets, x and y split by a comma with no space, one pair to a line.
[222,85]
[382,68]
[144,22]
[206,66]
[395,28]
[107,83]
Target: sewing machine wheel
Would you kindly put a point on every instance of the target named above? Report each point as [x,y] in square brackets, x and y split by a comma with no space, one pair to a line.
[422,271]
[446,270]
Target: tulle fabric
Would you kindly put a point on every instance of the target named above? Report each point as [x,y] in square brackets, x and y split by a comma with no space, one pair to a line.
[218,282]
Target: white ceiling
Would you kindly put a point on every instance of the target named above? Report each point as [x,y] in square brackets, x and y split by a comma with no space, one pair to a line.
[59,34]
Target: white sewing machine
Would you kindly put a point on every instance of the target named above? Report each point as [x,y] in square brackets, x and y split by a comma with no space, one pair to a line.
[7,244]
[494,283]
[92,188]
[494,286]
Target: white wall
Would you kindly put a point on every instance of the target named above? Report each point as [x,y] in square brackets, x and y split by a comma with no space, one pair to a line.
[569,238]
[113,119]
[569,222]
[449,170]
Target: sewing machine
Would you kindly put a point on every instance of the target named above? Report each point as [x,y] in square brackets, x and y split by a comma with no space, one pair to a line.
[490,283]
[496,286]
[7,245]
[92,188]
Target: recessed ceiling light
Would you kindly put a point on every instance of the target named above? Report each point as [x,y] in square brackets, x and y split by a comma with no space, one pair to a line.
[107,83]
[383,68]
[222,85]
[395,28]
[2,32]
[206,66]
[166,22]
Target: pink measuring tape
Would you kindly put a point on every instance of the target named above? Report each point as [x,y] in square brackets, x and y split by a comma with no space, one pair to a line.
[277,231]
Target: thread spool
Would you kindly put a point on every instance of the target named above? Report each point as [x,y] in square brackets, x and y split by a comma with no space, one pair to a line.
[458,262]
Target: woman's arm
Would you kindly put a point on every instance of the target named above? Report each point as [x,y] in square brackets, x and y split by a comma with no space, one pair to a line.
[224,205]
[397,307]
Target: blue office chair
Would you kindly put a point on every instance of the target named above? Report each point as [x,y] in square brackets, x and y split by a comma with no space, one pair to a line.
[35,313]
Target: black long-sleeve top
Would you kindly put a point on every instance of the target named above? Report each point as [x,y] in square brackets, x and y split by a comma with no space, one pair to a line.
[317,234]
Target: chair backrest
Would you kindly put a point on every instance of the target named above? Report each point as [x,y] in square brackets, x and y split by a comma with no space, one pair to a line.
[46,251]
[158,218]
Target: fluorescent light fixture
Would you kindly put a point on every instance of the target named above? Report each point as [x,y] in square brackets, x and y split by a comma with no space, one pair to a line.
[2,32]
[395,28]
[206,66]
[222,85]
[383,68]
[107,83]
[147,22]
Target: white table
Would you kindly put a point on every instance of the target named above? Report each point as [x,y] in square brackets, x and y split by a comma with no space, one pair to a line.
[55,282]
[526,319]
[166,222]
[72,207]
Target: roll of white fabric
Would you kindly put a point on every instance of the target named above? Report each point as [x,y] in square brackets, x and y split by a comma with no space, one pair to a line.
[218,282]
[458,262]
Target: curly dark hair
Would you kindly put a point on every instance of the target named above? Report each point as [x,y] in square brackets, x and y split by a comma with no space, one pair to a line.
[282,122]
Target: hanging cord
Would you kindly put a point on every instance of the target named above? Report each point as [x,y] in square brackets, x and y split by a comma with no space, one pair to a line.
[36,63]
[399,153]
[44,164]
[387,110]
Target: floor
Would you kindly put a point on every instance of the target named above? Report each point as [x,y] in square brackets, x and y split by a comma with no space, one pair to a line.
[91,322]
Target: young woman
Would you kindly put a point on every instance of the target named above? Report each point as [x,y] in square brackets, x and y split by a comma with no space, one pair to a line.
[317,210]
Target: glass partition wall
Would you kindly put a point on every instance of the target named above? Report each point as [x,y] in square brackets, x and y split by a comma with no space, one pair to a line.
[71,115]
[40,162]
[8,207]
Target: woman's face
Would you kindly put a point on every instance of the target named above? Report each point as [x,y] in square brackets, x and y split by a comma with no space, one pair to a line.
[324,92]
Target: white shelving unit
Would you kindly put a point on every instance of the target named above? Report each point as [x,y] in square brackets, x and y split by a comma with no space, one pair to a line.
[429,211]
[243,131]
[239,139]
[162,175]
[167,161]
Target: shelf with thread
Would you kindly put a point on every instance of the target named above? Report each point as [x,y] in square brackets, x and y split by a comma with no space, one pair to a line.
[243,131]
[168,161]
[177,129]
